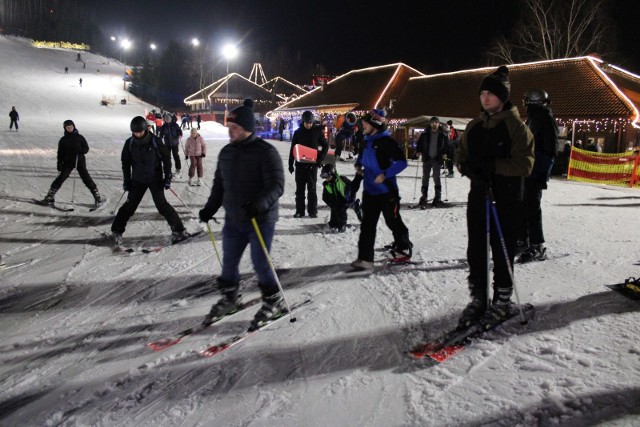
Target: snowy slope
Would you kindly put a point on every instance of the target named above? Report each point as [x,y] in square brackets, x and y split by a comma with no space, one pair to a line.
[75,318]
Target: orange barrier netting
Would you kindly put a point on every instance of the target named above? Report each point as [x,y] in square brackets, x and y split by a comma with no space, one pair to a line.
[613,169]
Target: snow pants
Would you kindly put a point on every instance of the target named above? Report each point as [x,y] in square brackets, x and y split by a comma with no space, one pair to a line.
[133,200]
[82,171]
[532,227]
[175,150]
[306,178]
[429,165]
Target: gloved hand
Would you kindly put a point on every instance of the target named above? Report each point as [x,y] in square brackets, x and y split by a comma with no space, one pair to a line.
[251,209]
[167,183]
[60,166]
[204,155]
[206,214]
[291,169]
[126,185]
[186,157]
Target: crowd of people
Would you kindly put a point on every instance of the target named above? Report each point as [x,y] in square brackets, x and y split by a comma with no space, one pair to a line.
[507,161]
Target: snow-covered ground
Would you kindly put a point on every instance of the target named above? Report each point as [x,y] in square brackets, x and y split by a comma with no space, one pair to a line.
[76,318]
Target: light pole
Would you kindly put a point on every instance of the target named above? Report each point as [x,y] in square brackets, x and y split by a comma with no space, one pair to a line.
[126,43]
[229,52]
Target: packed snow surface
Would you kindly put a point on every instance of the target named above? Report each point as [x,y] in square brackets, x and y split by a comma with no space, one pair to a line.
[76,317]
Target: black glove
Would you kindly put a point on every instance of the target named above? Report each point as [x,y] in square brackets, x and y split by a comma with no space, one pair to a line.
[291,169]
[206,214]
[126,185]
[167,183]
[204,155]
[186,157]
[251,209]
[60,166]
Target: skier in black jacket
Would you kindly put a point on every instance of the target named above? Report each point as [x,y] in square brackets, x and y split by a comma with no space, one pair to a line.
[170,134]
[309,135]
[71,150]
[249,180]
[146,164]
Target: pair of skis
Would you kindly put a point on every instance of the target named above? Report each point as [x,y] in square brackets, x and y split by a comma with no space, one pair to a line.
[119,249]
[164,343]
[456,340]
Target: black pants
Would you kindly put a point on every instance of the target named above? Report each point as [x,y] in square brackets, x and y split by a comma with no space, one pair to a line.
[82,171]
[13,122]
[306,178]
[338,216]
[532,229]
[372,206]
[175,149]
[509,204]
[133,200]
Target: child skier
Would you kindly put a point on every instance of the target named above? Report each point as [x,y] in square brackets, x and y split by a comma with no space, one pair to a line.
[338,193]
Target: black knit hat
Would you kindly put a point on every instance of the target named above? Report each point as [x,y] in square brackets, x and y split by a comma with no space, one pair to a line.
[376,118]
[243,115]
[68,123]
[498,83]
[307,117]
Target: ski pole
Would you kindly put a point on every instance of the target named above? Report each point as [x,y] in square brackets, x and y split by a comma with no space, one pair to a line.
[494,211]
[273,269]
[114,208]
[446,189]
[487,214]
[185,205]
[213,242]
[415,183]
[73,188]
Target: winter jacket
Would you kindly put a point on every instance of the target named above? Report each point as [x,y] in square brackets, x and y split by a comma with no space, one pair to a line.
[444,146]
[312,138]
[501,142]
[170,134]
[195,146]
[145,160]
[545,133]
[381,154]
[71,150]
[13,115]
[247,171]
[334,191]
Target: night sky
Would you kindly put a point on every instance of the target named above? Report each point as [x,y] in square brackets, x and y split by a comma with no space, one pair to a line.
[343,35]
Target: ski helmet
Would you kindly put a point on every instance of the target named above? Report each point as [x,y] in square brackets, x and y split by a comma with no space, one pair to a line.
[350,118]
[327,170]
[536,97]
[138,124]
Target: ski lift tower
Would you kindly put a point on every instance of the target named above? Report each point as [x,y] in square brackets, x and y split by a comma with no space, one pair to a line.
[257,74]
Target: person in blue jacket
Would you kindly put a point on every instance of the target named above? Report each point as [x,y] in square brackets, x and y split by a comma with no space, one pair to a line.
[379,162]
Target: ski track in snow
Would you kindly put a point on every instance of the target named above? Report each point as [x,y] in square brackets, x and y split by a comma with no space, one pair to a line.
[77,317]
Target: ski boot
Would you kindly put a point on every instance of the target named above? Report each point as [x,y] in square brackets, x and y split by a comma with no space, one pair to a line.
[361,265]
[437,203]
[116,238]
[273,307]
[422,203]
[96,197]
[499,310]
[472,313]
[227,304]
[179,236]
[401,255]
[536,252]
[50,197]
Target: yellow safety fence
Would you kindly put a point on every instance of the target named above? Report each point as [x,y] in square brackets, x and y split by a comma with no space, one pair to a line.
[65,45]
[604,168]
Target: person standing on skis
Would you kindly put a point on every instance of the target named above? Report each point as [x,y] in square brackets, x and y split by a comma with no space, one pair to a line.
[379,161]
[496,154]
[248,182]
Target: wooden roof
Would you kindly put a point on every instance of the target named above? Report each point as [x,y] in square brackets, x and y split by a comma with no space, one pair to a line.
[583,87]
[239,89]
[281,86]
[357,90]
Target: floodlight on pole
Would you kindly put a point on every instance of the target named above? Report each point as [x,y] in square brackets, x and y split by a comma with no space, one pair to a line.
[153,46]
[126,44]
[195,42]
[229,51]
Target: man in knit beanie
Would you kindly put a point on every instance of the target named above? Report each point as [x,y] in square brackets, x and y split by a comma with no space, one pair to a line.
[496,154]
[248,182]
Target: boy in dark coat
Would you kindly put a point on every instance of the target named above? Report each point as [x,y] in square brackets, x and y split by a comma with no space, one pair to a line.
[170,134]
[71,150]
[146,165]
[14,117]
